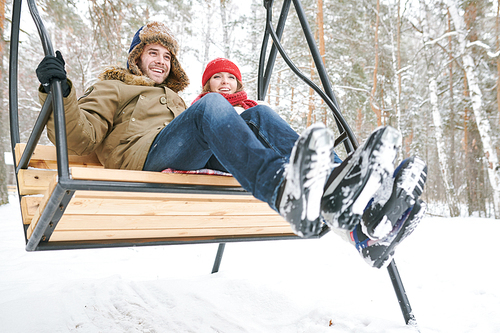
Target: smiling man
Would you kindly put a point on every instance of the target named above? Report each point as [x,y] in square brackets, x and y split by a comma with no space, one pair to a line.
[133,118]
[155,62]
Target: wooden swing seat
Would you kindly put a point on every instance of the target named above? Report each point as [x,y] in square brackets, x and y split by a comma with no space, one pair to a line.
[96,216]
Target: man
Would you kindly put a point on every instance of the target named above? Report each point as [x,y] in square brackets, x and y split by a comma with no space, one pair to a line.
[133,118]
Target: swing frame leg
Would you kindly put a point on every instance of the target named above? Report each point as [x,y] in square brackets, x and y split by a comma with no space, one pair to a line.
[218,257]
[404,303]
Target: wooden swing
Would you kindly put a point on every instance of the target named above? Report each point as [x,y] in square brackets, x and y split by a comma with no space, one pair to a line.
[72,202]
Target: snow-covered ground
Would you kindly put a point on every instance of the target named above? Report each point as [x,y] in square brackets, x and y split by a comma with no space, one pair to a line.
[449,267]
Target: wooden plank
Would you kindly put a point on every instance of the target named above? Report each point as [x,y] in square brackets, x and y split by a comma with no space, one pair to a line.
[193,205]
[126,222]
[80,235]
[29,206]
[45,157]
[40,209]
[34,181]
[151,177]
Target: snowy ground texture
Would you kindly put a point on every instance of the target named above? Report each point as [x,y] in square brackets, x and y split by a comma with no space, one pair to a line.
[449,267]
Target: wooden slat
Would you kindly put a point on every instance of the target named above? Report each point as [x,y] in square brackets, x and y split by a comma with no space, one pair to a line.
[180,206]
[79,235]
[151,177]
[192,205]
[42,205]
[116,222]
[45,157]
[34,181]
[29,206]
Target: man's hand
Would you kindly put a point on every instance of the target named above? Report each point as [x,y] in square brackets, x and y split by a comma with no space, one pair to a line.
[52,68]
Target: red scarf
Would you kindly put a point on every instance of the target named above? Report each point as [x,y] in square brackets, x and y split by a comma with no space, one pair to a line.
[239,98]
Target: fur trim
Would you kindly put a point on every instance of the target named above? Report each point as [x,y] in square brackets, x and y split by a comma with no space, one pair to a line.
[124,75]
[158,33]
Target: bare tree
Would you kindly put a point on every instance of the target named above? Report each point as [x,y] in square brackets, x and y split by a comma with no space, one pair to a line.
[436,116]
[225,28]
[375,108]
[483,124]
[4,196]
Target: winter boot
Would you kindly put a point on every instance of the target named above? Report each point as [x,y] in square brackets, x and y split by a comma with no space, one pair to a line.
[299,195]
[405,187]
[351,185]
[379,253]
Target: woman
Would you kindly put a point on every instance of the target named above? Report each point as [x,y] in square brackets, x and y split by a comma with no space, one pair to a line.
[224,77]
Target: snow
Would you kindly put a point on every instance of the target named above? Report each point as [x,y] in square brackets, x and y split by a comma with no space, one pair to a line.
[448,266]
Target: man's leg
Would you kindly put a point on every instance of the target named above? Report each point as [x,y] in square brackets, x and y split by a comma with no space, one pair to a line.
[212,127]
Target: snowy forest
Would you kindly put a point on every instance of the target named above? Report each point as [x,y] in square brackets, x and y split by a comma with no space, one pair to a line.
[428,68]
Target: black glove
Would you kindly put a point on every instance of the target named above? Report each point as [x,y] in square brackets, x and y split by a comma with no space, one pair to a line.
[52,68]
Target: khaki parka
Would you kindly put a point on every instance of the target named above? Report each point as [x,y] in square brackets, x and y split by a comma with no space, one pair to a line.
[118,118]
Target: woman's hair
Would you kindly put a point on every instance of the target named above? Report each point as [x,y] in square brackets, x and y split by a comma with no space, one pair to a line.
[206,87]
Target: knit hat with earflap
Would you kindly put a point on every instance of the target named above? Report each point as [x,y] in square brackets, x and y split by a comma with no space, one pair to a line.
[219,65]
[158,33]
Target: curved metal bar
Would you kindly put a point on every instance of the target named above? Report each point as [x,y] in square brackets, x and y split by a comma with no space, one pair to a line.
[350,144]
[320,92]
[57,98]
[265,76]
[40,123]
[46,44]
[13,77]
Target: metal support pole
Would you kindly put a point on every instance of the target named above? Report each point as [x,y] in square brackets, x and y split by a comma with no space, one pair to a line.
[404,303]
[218,257]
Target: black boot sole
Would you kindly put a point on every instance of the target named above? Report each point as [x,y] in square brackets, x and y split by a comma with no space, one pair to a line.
[351,185]
[408,186]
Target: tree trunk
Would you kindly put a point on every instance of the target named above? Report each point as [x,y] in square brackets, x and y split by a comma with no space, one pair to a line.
[4,195]
[278,85]
[452,110]
[225,28]
[311,98]
[450,193]
[321,36]
[497,28]
[396,63]
[483,125]
[207,35]
[374,107]
[471,180]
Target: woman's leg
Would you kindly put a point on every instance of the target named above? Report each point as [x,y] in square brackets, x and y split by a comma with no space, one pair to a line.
[272,130]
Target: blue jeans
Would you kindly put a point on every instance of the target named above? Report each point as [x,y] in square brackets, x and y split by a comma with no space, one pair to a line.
[254,146]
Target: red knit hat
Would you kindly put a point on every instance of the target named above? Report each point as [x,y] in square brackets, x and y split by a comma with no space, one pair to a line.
[217,66]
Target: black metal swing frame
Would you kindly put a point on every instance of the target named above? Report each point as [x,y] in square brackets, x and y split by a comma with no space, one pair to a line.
[66,186]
